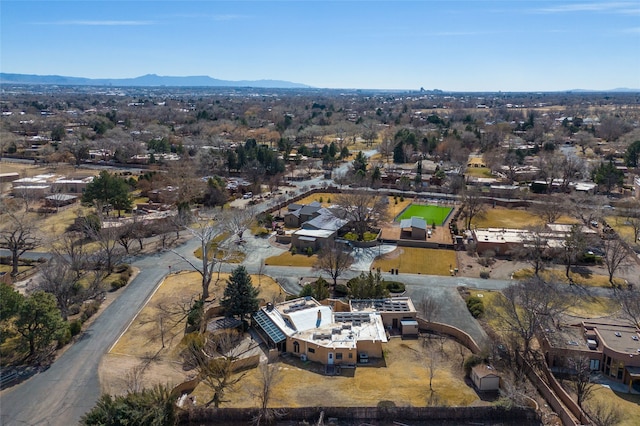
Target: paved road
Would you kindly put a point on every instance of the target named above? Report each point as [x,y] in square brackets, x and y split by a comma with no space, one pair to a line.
[70,387]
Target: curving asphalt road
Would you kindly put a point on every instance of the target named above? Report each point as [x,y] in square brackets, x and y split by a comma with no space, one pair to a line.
[71,387]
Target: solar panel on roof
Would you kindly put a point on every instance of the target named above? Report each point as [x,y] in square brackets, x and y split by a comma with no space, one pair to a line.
[272,330]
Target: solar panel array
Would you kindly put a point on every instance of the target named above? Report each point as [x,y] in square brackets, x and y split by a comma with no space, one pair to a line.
[272,330]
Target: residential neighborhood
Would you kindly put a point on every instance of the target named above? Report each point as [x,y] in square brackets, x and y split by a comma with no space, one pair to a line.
[406,254]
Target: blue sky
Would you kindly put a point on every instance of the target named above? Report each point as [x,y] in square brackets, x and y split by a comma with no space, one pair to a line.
[449,45]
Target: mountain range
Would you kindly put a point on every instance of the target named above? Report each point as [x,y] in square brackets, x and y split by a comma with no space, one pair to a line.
[149,80]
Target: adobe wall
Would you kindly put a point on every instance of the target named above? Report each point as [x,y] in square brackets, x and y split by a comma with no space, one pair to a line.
[517,415]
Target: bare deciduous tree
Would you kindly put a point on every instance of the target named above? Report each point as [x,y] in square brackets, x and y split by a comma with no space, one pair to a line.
[549,208]
[206,229]
[581,378]
[604,414]
[269,377]
[614,257]
[429,307]
[472,206]
[18,233]
[333,260]
[534,248]
[237,221]
[364,209]
[630,302]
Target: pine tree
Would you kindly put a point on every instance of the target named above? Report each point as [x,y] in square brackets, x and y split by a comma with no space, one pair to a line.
[240,296]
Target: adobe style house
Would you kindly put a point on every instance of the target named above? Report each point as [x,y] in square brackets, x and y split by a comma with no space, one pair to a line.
[345,336]
[611,348]
[319,225]
[504,241]
[42,185]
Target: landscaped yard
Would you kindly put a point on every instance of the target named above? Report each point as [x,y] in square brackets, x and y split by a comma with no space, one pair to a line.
[429,213]
[288,259]
[403,377]
[409,260]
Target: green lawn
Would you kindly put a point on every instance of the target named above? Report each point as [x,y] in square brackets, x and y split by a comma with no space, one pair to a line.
[429,213]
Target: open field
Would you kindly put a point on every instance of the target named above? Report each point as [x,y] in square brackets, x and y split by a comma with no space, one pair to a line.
[501,217]
[409,260]
[429,213]
[402,377]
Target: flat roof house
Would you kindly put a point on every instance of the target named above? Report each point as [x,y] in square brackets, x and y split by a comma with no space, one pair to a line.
[611,348]
[313,331]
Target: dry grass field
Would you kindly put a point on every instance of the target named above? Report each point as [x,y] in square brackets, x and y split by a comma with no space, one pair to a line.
[402,377]
[409,260]
[501,217]
[141,344]
[580,278]
[628,405]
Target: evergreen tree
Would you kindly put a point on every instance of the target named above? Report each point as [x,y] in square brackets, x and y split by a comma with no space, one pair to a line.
[608,175]
[39,322]
[107,189]
[632,154]
[240,296]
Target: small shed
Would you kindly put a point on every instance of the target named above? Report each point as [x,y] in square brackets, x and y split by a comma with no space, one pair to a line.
[485,378]
[414,228]
[409,328]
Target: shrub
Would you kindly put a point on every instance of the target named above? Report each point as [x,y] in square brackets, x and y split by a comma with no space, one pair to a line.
[475,306]
[117,284]
[351,236]
[90,310]
[342,290]
[395,286]
[401,199]
[386,404]
[65,337]
[471,362]
[328,199]
[484,274]
[320,200]
[74,309]
[262,232]
[309,251]
[122,268]
[75,327]
[293,250]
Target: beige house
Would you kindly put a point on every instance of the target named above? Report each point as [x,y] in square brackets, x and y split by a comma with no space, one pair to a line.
[312,331]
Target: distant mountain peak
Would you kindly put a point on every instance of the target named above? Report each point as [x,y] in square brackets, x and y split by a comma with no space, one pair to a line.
[147,80]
